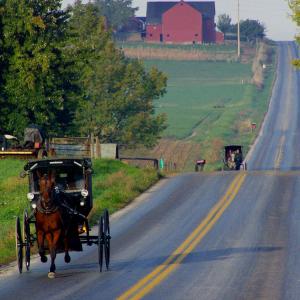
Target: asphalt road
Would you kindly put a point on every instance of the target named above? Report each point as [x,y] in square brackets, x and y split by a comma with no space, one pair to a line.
[226,235]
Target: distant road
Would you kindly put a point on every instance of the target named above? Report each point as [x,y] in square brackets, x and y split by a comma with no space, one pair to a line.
[226,235]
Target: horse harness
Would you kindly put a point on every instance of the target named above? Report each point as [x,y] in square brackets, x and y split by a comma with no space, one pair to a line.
[46,210]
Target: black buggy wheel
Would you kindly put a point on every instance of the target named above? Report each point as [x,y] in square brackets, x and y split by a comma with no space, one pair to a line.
[106,238]
[27,241]
[19,245]
[100,243]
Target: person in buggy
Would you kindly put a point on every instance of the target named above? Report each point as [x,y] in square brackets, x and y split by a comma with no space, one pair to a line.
[238,159]
[34,137]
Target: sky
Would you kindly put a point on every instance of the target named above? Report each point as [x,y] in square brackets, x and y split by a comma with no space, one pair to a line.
[274,14]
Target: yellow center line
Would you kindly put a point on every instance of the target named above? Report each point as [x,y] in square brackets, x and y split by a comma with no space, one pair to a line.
[279,155]
[146,284]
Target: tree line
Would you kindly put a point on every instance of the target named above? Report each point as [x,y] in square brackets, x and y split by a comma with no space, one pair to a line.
[60,69]
[250,30]
[253,29]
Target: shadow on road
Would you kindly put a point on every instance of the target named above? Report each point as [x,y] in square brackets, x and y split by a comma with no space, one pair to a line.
[194,257]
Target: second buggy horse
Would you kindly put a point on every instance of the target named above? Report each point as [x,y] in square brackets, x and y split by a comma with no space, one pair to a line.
[60,195]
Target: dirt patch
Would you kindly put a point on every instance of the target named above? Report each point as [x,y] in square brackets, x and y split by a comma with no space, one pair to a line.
[177,155]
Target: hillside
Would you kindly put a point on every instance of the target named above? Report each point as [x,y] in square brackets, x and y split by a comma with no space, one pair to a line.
[210,104]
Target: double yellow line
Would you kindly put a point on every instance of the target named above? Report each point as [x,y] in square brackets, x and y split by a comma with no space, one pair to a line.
[279,155]
[160,273]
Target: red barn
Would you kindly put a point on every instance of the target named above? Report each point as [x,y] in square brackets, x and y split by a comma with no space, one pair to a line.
[180,22]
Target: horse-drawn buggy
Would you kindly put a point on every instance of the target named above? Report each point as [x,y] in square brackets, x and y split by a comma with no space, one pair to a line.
[60,196]
[233,158]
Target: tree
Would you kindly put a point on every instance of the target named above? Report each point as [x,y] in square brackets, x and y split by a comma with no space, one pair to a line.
[233,28]
[252,29]
[117,100]
[224,23]
[4,106]
[37,81]
[295,6]
[116,12]
[2,52]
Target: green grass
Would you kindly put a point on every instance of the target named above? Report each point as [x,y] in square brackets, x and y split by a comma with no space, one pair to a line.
[115,184]
[200,47]
[194,90]
[12,201]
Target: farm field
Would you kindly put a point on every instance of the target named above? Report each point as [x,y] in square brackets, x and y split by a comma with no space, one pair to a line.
[206,48]
[115,184]
[204,52]
[210,104]
[198,91]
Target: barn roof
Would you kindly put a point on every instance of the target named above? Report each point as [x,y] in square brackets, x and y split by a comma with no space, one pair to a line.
[155,9]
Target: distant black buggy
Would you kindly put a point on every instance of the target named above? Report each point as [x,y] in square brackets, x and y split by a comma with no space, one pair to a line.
[233,158]
[60,195]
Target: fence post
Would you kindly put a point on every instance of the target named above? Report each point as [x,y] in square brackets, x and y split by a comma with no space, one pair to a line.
[92,145]
[98,147]
[161,163]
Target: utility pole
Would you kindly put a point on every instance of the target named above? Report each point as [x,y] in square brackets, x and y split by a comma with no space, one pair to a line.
[238,29]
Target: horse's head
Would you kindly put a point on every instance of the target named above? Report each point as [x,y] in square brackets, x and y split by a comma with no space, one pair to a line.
[47,184]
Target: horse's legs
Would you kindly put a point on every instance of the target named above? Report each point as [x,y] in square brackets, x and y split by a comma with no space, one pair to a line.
[52,251]
[66,244]
[52,241]
[40,237]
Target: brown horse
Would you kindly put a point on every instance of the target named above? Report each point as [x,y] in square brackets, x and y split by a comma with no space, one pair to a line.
[49,222]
